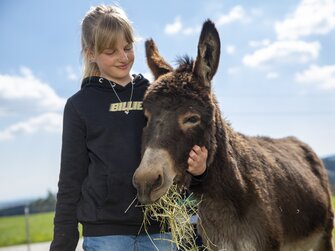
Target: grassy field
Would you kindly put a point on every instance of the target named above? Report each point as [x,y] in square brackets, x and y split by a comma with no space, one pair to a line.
[12,229]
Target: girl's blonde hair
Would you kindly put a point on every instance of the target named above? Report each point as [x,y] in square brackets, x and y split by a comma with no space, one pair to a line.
[101,28]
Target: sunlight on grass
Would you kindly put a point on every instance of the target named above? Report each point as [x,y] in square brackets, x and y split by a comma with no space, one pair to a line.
[13,231]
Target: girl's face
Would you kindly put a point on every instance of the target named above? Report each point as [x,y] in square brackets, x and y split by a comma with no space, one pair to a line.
[115,64]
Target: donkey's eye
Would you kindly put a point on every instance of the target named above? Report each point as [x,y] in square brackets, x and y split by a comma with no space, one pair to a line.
[192,119]
[188,121]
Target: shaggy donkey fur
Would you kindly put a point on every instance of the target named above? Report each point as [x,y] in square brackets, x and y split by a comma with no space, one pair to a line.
[260,194]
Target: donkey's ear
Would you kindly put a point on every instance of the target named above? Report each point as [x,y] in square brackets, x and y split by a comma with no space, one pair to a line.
[207,61]
[156,63]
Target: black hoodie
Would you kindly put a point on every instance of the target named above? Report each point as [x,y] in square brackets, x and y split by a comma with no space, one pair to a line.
[100,152]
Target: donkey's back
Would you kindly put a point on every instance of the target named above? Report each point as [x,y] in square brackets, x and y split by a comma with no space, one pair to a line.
[286,195]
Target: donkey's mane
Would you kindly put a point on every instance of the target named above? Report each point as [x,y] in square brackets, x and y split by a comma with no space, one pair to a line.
[185,64]
[182,85]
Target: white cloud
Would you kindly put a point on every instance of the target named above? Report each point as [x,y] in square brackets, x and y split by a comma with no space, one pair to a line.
[71,74]
[230,49]
[28,91]
[139,38]
[47,122]
[174,28]
[310,17]
[236,14]
[177,27]
[29,95]
[322,76]
[286,51]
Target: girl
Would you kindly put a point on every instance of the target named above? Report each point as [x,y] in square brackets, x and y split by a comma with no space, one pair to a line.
[101,142]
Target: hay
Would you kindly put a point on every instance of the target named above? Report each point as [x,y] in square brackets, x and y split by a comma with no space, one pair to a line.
[173,211]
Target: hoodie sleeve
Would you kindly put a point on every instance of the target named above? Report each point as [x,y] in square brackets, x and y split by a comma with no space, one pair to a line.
[74,165]
[198,180]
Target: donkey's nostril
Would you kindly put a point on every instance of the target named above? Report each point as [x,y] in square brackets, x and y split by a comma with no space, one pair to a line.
[157,183]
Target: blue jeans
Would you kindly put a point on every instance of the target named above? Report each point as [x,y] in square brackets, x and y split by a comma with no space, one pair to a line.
[129,243]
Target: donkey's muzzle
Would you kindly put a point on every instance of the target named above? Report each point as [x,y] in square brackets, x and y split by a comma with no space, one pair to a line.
[154,175]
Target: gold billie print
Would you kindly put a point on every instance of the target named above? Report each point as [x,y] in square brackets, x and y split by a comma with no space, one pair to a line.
[126,106]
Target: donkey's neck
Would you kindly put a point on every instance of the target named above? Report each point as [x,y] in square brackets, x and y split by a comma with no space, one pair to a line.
[225,181]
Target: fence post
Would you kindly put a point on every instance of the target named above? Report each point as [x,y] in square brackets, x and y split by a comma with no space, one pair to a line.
[26,214]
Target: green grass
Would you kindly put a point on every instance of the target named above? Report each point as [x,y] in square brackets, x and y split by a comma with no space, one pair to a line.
[13,229]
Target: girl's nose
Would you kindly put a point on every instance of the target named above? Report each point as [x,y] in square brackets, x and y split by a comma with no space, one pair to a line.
[123,56]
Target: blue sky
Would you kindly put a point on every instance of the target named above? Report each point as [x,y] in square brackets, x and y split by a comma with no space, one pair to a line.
[276,75]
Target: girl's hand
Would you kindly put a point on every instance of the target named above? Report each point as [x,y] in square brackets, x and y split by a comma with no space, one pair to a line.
[197,160]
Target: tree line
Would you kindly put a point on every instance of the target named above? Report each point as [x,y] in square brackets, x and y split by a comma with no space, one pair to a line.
[40,205]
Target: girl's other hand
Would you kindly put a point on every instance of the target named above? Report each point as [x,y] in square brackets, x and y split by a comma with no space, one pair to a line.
[197,160]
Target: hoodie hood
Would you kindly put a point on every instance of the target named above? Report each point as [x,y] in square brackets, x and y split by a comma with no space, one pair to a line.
[100,82]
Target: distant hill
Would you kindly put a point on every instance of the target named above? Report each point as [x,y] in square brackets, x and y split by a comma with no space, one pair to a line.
[329,163]
[15,203]
[35,206]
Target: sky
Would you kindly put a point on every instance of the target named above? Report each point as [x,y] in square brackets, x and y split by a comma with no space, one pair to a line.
[276,75]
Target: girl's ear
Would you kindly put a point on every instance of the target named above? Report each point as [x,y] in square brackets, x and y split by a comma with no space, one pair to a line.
[89,54]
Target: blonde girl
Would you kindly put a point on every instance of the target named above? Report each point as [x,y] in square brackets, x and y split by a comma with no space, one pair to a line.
[101,145]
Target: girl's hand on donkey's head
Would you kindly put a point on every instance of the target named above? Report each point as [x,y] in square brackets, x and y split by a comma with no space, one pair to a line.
[197,160]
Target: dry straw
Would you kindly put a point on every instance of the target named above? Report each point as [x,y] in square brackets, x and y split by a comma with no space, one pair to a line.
[173,211]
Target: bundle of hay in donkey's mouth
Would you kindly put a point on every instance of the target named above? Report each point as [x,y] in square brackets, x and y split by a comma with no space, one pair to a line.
[173,211]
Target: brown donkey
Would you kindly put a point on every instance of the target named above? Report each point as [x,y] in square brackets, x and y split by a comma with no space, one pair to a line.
[260,194]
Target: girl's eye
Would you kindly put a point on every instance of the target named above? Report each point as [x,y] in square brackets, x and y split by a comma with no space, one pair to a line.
[128,48]
[110,52]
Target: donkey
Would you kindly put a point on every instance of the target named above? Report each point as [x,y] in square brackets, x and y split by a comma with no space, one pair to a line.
[260,194]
